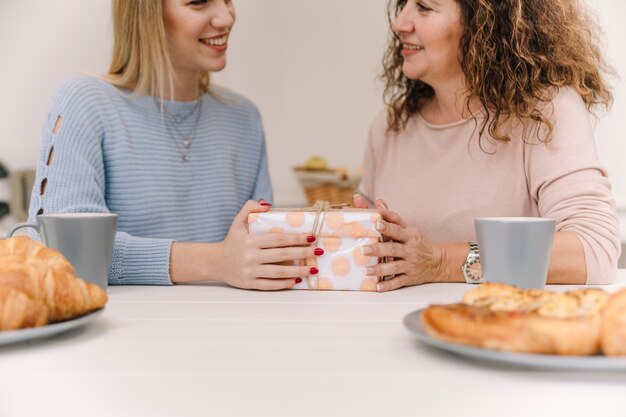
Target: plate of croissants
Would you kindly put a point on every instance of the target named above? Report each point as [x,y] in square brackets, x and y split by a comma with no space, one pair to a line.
[582,329]
[40,294]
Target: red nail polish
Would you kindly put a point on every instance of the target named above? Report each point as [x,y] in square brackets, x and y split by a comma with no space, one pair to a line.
[314,271]
[318,251]
[298,280]
[266,204]
[310,239]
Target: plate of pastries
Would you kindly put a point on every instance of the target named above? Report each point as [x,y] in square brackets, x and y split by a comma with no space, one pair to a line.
[582,329]
[40,294]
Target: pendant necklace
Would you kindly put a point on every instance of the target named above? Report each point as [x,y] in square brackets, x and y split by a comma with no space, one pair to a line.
[173,122]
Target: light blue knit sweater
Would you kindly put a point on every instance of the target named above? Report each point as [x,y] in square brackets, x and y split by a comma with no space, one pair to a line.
[115,154]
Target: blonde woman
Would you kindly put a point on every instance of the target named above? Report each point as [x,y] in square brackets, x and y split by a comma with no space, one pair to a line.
[180,161]
[489,115]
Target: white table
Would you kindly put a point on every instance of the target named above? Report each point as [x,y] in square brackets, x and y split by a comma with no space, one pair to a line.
[210,350]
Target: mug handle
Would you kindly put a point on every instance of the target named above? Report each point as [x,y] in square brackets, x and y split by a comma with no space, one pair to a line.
[21,225]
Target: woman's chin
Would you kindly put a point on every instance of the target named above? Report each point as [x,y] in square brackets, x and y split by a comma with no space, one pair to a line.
[412,73]
[214,66]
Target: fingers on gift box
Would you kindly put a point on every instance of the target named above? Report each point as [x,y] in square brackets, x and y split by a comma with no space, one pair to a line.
[342,233]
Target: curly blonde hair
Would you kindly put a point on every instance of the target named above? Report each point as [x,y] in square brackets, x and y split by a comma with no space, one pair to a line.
[515,54]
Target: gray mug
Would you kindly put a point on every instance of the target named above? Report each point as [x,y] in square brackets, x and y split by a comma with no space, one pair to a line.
[85,239]
[515,250]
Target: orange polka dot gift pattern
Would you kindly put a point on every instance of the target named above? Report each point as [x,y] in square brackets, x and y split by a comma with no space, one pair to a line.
[342,235]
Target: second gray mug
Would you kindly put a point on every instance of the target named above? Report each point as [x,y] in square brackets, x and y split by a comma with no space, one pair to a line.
[515,250]
[85,239]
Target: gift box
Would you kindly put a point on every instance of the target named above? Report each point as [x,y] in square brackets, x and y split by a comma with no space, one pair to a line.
[342,233]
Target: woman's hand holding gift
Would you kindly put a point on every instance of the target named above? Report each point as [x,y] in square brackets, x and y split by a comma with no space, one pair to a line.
[415,259]
[246,261]
[252,261]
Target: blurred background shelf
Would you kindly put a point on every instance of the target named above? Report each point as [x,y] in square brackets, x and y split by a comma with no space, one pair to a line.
[332,185]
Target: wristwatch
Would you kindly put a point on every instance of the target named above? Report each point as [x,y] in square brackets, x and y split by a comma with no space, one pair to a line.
[471,267]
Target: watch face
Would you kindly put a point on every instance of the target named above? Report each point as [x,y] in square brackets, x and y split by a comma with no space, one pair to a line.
[475,271]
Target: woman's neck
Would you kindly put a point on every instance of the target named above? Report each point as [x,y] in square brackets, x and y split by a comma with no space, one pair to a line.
[447,104]
[185,86]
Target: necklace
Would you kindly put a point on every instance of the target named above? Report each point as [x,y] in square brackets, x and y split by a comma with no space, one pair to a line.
[172,122]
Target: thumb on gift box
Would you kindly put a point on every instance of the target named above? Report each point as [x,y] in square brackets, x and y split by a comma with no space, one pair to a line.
[359,201]
[250,207]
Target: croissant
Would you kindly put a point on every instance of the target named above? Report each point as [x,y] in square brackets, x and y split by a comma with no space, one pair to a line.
[17,310]
[614,325]
[512,331]
[36,252]
[44,276]
[501,317]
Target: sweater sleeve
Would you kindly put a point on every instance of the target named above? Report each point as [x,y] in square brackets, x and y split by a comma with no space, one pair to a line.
[571,186]
[71,177]
[367,188]
[263,184]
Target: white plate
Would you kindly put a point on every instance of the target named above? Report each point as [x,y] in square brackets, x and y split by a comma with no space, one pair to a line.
[22,335]
[586,363]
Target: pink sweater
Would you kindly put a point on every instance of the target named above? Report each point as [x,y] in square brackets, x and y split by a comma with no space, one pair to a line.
[439,180]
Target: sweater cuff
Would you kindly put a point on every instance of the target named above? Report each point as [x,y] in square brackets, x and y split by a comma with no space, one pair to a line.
[597,273]
[593,269]
[140,261]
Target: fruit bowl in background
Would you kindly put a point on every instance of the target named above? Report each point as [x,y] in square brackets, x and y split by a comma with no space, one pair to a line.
[322,183]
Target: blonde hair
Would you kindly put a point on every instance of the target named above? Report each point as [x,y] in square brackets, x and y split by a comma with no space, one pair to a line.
[515,54]
[141,59]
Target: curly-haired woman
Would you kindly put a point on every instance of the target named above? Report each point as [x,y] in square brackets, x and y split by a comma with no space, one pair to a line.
[488,114]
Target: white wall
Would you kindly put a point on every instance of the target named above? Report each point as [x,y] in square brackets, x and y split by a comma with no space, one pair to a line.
[310,66]
[611,128]
[41,44]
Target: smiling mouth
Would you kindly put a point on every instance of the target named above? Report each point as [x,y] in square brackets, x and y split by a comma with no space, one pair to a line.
[219,41]
[412,47]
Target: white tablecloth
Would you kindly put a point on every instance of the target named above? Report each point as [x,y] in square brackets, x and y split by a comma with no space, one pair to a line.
[210,350]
